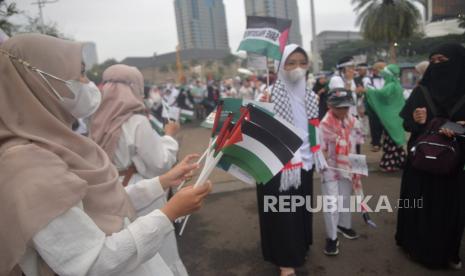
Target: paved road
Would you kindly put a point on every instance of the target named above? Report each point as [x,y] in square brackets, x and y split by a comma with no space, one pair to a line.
[223,238]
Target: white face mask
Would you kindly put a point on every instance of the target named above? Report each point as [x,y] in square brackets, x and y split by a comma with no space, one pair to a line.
[87,99]
[296,74]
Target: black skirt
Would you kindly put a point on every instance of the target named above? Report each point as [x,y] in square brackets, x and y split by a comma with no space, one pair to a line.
[285,237]
[431,234]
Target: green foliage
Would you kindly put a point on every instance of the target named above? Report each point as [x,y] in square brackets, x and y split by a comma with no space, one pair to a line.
[95,74]
[165,69]
[173,67]
[194,62]
[387,20]
[6,11]
[229,59]
[34,26]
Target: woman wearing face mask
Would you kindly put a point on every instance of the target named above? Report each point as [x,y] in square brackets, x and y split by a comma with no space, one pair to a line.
[286,237]
[121,127]
[80,126]
[431,234]
[67,212]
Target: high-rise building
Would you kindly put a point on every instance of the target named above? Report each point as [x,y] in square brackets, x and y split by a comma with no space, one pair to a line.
[444,9]
[327,38]
[201,24]
[277,8]
[441,17]
[89,53]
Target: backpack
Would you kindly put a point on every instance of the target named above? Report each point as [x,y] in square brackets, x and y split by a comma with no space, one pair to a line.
[433,152]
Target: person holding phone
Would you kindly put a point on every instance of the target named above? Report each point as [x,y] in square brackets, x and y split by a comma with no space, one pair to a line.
[431,235]
[121,127]
[66,209]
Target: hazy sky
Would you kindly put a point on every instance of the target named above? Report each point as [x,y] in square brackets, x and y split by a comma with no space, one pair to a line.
[141,27]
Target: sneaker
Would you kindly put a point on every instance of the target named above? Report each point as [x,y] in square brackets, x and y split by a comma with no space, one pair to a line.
[375,148]
[347,233]
[455,264]
[332,247]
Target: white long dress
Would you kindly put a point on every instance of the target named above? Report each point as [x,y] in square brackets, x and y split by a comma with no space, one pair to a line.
[152,155]
[72,244]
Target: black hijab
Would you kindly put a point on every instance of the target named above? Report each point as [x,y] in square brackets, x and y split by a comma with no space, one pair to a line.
[446,81]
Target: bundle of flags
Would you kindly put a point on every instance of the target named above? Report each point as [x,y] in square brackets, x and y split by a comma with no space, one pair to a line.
[253,143]
[232,105]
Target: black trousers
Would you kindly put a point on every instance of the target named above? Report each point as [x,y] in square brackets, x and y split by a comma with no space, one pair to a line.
[376,129]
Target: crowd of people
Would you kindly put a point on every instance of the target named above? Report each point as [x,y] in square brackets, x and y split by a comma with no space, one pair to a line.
[430,235]
[84,176]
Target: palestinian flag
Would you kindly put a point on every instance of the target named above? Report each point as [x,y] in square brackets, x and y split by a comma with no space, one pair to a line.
[266,36]
[235,170]
[157,125]
[285,132]
[187,115]
[232,105]
[313,128]
[257,151]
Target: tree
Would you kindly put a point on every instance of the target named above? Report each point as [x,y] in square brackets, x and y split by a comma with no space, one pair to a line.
[173,67]
[34,26]
[6,11]
[194,62]
[165,69]
[388,21]
[229,59]
[95,74]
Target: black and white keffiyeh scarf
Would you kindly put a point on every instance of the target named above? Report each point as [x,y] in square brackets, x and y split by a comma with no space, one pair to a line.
[290,176]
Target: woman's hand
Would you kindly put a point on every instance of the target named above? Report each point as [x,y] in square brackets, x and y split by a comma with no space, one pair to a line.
[420,115]
[186,201]
[450,133]
[184,170]
[447,132]
[171,128]
[265,97]
[360,90]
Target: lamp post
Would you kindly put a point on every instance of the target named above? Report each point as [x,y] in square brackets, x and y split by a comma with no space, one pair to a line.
[315,54]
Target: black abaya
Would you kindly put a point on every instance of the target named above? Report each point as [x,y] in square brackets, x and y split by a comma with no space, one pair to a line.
[432,234]
[285,237]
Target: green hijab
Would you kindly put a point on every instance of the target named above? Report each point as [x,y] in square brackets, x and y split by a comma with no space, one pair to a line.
[388,101]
